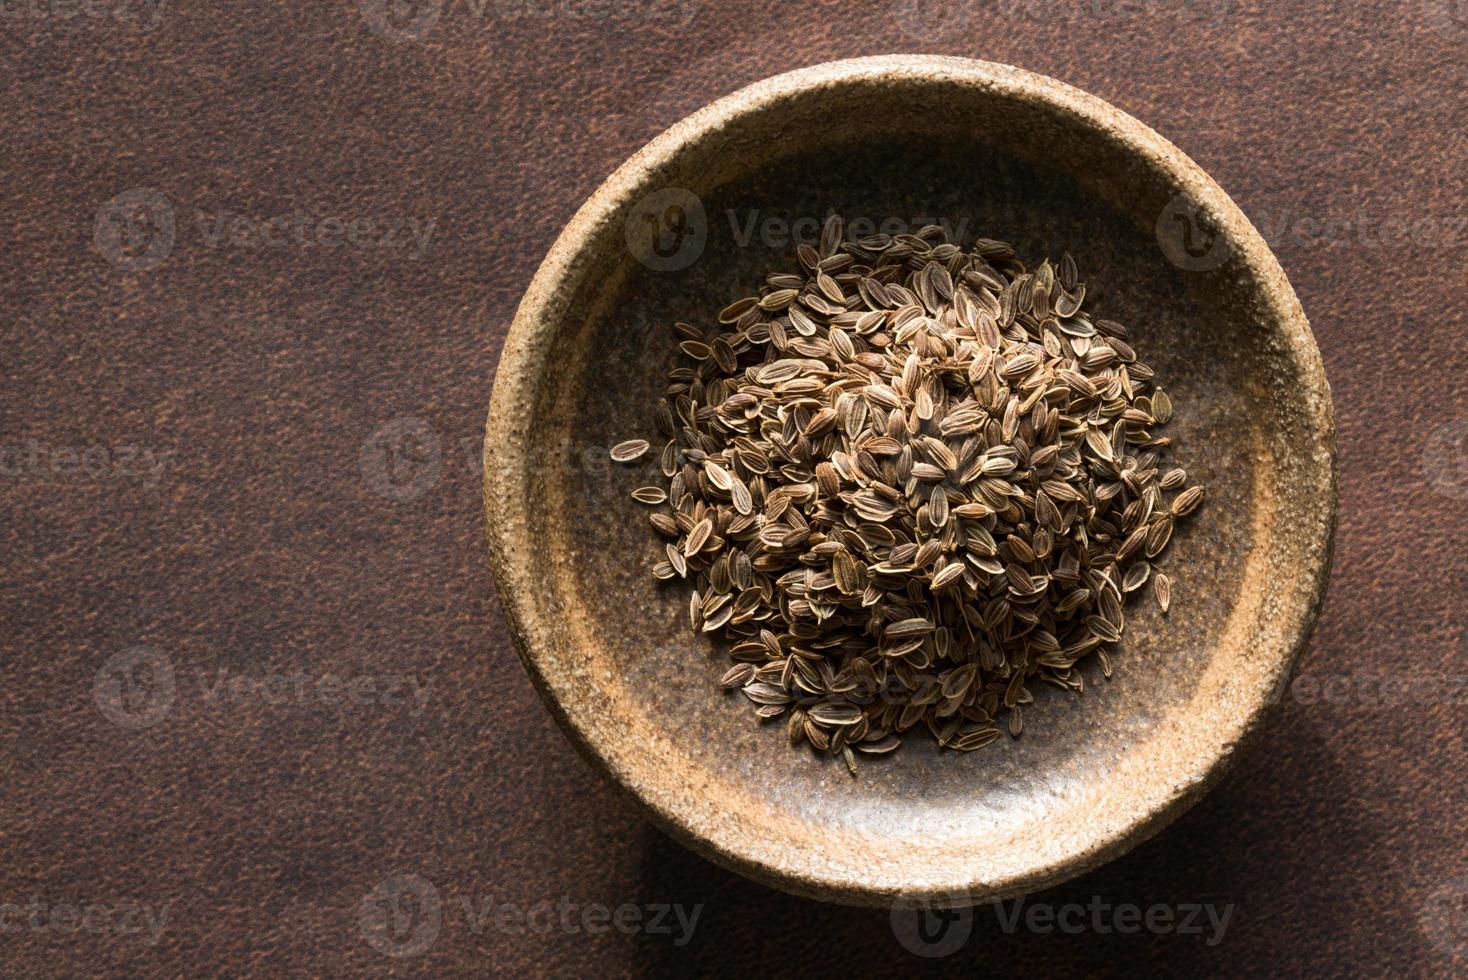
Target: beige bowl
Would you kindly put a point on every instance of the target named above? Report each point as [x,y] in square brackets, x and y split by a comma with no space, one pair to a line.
[695,220]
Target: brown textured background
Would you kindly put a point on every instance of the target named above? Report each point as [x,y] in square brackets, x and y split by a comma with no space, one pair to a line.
[264,548]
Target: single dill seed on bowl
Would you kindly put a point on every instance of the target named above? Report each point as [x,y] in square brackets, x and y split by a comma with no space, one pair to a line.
[630,450]
[1162,586]
[908,482]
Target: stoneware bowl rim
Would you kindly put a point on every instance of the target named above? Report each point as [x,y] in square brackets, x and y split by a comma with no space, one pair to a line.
[1163,794]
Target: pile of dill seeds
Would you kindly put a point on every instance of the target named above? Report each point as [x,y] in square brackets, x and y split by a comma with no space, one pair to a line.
[907,482]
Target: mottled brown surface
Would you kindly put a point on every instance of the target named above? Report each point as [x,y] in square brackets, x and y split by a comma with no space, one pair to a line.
[262,549]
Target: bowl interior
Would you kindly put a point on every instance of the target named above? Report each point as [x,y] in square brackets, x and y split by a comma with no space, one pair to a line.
[1091,773]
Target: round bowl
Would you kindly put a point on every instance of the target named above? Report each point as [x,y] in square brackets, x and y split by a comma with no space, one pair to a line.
[695,220]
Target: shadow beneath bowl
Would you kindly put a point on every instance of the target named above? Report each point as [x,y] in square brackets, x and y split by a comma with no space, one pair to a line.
[1274,851]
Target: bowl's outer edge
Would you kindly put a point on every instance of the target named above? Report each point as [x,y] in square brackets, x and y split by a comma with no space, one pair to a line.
[518,370]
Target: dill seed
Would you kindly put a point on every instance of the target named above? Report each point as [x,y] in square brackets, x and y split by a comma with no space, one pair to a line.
[632,449]
[908,483]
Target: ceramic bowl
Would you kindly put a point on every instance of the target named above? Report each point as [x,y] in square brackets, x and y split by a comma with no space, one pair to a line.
[695,220]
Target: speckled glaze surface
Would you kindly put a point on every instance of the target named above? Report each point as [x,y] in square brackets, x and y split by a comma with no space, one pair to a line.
[990,150]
